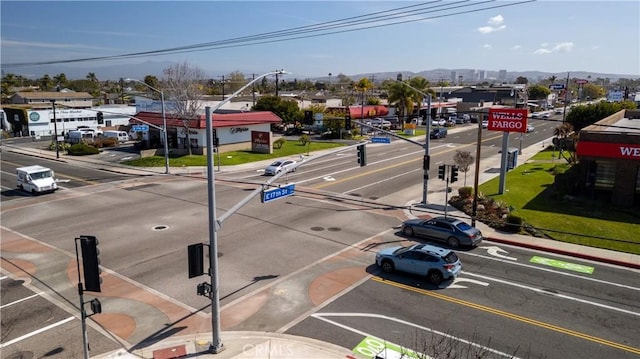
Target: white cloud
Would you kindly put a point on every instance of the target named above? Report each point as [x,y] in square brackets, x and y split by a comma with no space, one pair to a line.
[496,20]
[542,51]
[487,46]
[595,47]
[559,47]
[516,47]
[563,47]
[544,44]
[495,24]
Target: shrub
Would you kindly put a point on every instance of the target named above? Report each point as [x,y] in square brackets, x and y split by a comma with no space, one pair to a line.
[105,142]
[62,146]
[465,192]
[277,144]
[82,149]
[304,139]
[513,223]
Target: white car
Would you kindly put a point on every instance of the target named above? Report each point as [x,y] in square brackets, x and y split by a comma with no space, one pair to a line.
[279,166]
[546,115]
[438,122]
[530,128]
[485,123]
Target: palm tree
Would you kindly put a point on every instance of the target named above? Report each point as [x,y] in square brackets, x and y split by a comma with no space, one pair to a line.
[402,97]
[91,76]
[363,86]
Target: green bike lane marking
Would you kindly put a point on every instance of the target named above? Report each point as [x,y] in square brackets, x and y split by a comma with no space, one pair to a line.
[371,347]
[561,264]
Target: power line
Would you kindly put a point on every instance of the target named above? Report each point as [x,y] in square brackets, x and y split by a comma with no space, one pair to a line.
[349,24]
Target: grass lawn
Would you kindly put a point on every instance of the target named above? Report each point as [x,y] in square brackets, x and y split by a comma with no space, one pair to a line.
[576,220]
[290,148]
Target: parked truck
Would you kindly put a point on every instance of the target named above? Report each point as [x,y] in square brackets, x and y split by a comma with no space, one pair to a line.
[36,179]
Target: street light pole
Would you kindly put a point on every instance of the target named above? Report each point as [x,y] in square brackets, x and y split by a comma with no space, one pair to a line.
[55,127]
[214,223]
[164,124]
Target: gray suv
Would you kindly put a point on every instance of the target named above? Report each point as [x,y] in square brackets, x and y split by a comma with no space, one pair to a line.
[439,132]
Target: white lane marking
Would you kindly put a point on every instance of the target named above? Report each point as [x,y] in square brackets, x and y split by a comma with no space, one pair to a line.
[36,332]
[4,277]
[495,251]
[382,181]
[19,300]
[558,295]
[552,271]
[455,283]
[322,316]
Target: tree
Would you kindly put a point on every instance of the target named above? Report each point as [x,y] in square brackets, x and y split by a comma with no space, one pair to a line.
[182,83]
[152,81]
[61,80]
[45,83]
[402,97]
[582,116]
[537,92]
[522,80]
[463,159]
[287,110]
[592,91]
[91,76]
[363,86]
[236,81]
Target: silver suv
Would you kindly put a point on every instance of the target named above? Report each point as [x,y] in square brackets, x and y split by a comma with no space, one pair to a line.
[436,263]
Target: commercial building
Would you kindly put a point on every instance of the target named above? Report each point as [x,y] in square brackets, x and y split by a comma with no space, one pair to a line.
[609,151]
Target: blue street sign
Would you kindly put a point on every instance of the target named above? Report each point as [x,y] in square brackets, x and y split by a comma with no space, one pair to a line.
[556,86]
[277,193]
[380,140]
[140,128]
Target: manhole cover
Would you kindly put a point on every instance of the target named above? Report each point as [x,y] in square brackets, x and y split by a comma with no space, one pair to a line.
[334,229]
[160,228]
[317,229]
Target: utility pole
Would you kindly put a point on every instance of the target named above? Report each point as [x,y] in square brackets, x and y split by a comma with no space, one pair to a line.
[253,88]
[55,127]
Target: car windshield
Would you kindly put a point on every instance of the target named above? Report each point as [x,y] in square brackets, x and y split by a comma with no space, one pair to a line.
[451,257]
[41,175]
[464,226]
[276,164]
[401,250]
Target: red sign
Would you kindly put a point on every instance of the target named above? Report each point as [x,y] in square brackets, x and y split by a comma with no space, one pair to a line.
[608,150]
[508,119]
[581,82]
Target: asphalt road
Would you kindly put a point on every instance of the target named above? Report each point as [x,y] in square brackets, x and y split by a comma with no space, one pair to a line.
[272,256]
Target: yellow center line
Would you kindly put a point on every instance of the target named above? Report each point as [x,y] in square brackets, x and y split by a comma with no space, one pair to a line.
[512,316]
[327,184]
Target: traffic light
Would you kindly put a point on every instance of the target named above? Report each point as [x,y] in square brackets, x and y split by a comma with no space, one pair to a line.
[441,170]
[347,122]
[100,117]
[425,162]
[362,155]
[308,117]
[454,174]
[90,263]
[195,253]
[96,306]
[216,140]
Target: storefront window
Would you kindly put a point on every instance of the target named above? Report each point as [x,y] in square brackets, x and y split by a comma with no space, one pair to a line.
[605,175]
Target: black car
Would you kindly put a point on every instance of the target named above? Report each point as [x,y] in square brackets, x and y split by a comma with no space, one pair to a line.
[438,133]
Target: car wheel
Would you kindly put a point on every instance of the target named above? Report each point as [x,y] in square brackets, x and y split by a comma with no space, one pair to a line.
[387,266]
[408,231]
[453,242]
[434,277]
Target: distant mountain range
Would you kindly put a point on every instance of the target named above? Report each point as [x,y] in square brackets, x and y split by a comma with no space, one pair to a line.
[140,70]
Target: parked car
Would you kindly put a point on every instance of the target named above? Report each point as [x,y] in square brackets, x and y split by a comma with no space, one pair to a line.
[438,122]
[559,111]
[464,118]
[436,263]
[451,121]
[535,115]
[546,115]
[485,123]
[279,166]
[439,132]
[380,123]
[452,231]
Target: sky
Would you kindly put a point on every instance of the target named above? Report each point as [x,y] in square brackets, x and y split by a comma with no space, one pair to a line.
[548,36]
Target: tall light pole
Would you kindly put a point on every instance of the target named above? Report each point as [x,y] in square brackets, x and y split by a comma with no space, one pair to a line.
[214,224]
[164,124]
[55,127]
[427,158]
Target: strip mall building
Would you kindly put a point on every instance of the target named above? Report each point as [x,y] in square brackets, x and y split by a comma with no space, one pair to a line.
[610,150]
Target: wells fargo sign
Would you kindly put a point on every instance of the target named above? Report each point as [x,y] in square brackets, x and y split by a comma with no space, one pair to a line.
[508,119]
[608,150]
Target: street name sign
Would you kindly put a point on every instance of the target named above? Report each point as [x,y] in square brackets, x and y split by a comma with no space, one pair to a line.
[277,193]
[556,86]
[380,140]
[140,128]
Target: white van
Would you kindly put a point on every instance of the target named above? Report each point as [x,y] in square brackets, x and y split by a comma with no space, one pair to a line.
[121,136]
[36,179]
[83,135]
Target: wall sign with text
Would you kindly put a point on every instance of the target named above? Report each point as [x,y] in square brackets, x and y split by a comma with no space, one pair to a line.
[508,119]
